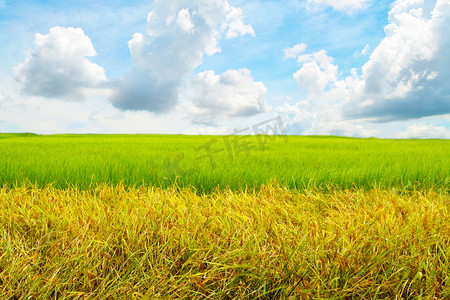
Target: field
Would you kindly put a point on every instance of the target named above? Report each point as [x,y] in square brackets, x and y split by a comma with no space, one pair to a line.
[237,217]
[237,162]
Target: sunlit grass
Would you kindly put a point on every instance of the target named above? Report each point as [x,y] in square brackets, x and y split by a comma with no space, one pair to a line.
[154,216]
[118,242]
[162,160]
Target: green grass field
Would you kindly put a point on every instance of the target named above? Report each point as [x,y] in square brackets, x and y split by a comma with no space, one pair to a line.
[237,217]
[206,162]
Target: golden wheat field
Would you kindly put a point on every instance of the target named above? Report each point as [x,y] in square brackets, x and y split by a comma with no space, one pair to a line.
[117,242]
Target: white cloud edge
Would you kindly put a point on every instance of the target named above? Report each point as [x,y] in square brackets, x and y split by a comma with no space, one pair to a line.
[346,6]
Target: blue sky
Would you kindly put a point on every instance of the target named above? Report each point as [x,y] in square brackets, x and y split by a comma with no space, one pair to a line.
[350,67]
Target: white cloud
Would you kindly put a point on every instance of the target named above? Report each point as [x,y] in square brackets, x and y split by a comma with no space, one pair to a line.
[341,5]
[233,93]
[320,113]
[184,20]
[235,25]
[317,72]
[424,131]
[58,66]
[406,76]
[340,128]
[170,50]
[365,51]
[407,73]
[307,118]
[48,116]
[295,51]
[223,130]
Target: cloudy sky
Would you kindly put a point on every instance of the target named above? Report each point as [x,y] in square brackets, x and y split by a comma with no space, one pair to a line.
[343,67]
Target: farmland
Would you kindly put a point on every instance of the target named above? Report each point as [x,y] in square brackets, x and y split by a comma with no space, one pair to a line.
[237,162]
[236,217]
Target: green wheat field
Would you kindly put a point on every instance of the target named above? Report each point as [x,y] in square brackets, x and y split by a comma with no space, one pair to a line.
[223,217]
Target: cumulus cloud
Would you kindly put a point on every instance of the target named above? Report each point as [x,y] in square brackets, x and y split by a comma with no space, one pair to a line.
[234,25]
[178,35]
[295,51]
[307,118]
[58,67]
[320,112]
[184,20]
[317,72]
[406,76]
[233,93]
[341,5]
[407,73]
[424,131]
